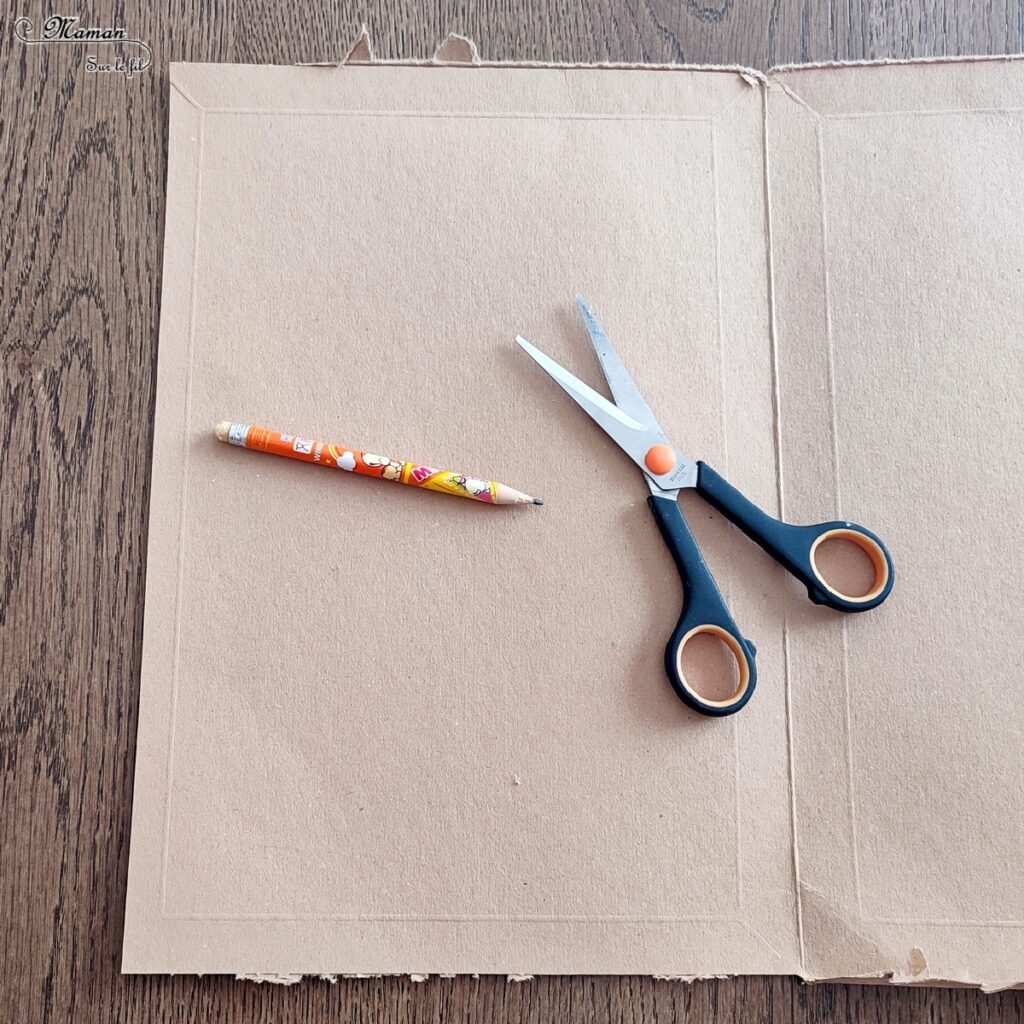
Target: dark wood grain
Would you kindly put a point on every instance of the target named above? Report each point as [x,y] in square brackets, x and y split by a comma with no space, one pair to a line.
[82,160]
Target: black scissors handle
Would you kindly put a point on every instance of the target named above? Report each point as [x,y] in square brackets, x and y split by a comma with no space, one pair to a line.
[704,612]
[794,547]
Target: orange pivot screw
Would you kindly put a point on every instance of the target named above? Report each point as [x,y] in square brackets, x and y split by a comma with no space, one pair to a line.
[660,459]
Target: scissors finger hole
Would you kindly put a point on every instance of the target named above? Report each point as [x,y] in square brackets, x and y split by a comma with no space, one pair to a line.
[712,666]
[850,565]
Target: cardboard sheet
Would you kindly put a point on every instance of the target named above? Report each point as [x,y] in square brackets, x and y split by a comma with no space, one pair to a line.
[896,215]
[388,731]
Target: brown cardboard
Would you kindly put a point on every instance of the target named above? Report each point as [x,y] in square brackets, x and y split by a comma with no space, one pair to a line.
[895,218]
[381,731]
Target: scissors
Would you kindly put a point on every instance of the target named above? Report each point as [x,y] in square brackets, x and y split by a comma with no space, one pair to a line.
[632,426]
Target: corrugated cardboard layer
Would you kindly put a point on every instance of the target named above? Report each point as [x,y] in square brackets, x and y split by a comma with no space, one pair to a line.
[382,731]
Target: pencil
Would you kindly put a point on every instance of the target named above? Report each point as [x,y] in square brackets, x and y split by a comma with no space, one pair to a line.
[337,456]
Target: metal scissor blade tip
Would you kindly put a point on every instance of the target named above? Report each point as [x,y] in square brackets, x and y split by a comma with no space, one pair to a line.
[586,312]
[620,383]
[530,350]
[596,406]
[598,339]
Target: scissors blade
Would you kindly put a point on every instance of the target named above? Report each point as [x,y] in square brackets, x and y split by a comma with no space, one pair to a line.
[622,386]
[633,437]
[594,405]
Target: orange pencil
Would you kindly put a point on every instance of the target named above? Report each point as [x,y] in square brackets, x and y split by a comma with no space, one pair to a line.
[336,456]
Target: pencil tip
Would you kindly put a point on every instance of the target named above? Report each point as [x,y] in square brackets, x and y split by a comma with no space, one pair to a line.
[538,501]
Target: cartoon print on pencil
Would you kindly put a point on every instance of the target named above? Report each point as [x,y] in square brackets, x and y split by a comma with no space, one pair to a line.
[256,438]
[391,470]
[342,459]
[480,489]
[421,473]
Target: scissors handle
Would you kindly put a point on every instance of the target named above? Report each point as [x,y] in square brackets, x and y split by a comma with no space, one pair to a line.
[795,547]
[704,612]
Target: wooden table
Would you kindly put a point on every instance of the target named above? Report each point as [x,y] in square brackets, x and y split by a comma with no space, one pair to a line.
[83,159]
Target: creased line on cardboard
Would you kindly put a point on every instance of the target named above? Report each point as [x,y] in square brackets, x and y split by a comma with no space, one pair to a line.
[755,934]
[776,392]
[793,95]
[185,95]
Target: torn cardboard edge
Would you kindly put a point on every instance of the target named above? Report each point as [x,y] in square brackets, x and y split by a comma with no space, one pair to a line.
[287,980]
[881,62]
[461,51]
[902,980]
[914,976]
